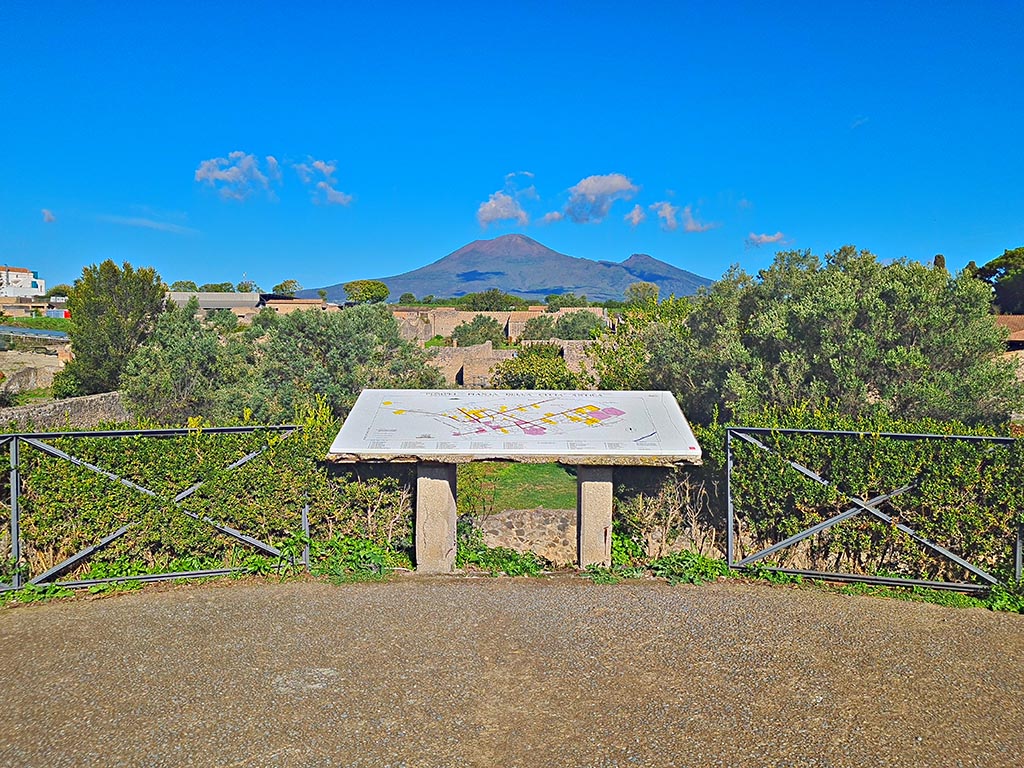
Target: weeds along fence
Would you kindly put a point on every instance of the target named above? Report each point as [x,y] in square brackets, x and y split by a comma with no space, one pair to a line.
[85,508]
[932,510]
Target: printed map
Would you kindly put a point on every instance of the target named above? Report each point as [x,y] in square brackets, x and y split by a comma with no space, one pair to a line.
[386,423]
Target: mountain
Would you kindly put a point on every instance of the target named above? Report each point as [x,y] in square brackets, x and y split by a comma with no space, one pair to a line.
[523,267]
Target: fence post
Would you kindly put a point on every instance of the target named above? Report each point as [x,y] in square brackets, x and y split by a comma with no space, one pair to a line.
[728,495]
[305,532]
[1018,552]
[16,579]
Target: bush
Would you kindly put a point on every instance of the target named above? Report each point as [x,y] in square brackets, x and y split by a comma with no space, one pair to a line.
[67,507]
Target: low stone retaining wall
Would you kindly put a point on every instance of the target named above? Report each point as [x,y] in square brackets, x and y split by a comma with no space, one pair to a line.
[72,413]
[550,533]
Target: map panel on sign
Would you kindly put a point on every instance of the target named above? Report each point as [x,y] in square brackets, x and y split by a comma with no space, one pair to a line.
[391,423]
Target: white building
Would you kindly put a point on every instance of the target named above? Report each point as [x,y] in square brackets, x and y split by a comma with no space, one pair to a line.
[18,281]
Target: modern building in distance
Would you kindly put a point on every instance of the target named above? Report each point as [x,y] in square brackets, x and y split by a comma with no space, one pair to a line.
[18,281]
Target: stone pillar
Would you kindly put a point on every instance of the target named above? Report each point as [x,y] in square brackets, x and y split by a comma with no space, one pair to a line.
[593,516]
[435,518]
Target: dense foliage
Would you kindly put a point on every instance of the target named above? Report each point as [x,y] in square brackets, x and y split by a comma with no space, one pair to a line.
[900,339]
[492,300]
[66,507]
[571,325]
[1006,276]
[479,330]
[113,310]
[536,366]
[366,291]
[965,496]
[267,372]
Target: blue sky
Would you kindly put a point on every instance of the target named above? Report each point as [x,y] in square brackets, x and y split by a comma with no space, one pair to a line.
[335,141]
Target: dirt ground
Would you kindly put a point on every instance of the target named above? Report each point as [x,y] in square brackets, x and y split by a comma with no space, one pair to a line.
[508,672]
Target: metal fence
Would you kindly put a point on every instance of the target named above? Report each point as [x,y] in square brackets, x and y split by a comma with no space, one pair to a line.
[858,506]
[15,442]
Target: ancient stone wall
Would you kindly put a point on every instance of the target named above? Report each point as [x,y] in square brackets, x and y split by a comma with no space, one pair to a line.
[420,325]
[72,413]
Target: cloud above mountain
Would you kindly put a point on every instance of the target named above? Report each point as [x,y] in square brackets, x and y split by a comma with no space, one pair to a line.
[592,198]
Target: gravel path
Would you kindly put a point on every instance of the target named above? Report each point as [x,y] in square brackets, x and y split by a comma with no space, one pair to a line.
[501,672]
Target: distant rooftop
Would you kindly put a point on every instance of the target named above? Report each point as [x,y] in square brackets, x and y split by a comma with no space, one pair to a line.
[215,299]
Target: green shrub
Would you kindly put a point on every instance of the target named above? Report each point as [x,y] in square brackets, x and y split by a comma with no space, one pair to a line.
[688,567]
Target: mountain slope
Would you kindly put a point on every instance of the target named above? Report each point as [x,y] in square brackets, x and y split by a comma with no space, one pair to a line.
[523,267]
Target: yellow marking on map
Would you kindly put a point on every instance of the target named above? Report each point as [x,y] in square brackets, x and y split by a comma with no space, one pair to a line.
[399,413]
[592,421]
[386,402]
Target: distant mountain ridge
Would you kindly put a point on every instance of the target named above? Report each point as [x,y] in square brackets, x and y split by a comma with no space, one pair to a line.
[523,267]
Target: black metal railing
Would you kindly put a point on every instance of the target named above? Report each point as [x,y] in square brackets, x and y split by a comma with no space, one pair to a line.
[756,436]
[39,441]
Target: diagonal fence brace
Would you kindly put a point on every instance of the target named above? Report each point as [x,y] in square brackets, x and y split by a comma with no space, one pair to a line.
[863,506]
[107,540]
[824,525]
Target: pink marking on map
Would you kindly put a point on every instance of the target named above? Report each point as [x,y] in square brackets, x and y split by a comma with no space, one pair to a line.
[605,413]
[534,430]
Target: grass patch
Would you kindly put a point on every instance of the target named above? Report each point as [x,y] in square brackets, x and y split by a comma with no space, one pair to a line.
[32,396]
[39,323]
[486,487]
[530,486]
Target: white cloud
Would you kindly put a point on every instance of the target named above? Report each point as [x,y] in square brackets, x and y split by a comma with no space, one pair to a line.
[667,213]
[690,224]
[332,196]
[756,241]
[320,174]
[145,223]
[504,204]
[744,204]
[635,216]
[48,217]
[501,207]
[552,217]
[592,198]
[238,175]
[274,169]
[858,122]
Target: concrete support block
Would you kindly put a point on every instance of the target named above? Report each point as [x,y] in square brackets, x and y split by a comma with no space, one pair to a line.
[594,516]
[436,518]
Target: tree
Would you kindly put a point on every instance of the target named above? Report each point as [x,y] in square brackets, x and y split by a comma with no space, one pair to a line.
[181,371]
[623,359]
[1006,276]
[407,298]
[479,330]
[113,311]
[61,289]
[287,288]
[492,300]
[536,366]
[366,291]
[335,355]
[322,294]
[248,286]
[578,325]
[557,301]
[217,287]
[184,285]
[847,333]
[641,293]
[539,327]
